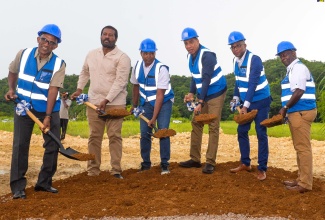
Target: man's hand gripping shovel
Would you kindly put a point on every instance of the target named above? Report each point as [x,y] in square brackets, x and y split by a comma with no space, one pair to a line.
[242,118]
[159,133]
[22,109]
[203,118]
[109,114]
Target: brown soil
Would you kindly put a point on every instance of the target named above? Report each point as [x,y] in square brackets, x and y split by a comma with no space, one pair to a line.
[183,192]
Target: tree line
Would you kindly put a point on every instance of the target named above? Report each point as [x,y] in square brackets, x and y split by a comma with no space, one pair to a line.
[274,70]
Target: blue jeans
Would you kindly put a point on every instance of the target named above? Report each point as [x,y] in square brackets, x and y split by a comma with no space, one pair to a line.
[163,121]
[263,145]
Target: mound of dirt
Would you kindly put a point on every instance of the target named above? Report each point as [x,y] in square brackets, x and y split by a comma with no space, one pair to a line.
[183,192]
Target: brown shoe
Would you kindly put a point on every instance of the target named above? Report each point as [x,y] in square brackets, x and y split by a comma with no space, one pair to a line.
[298,188]
[241,168]
[290,182]
[261,175]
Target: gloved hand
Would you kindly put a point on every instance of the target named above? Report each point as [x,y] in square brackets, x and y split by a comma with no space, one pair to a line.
[191,106]
[81,99]
[137,111]
[233,104]
[21,108]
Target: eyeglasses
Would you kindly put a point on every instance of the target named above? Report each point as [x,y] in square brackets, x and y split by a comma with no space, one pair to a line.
[44,40]
[236,47]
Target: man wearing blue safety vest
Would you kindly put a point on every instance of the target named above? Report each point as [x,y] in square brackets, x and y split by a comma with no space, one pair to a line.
[253,91]
[210,86]
[38,74]
[299,104]
[151,85]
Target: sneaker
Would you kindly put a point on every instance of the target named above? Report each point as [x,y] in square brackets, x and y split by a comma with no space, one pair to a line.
[118,176]
[164,170]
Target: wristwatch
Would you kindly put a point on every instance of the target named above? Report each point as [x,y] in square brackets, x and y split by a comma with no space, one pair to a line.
[200,103]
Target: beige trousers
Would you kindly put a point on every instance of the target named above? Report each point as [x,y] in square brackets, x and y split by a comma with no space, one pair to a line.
[213,106]
[300,125]
[96,129]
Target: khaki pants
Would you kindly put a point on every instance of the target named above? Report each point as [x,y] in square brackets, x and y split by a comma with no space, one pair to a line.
[96,130]
[213,106]
[300,124]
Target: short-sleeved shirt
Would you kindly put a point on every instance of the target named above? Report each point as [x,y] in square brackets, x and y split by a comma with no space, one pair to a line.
[57,79]
[163,76]
[299,74]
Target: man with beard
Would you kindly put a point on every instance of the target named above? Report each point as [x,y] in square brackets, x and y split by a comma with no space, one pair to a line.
[108,70]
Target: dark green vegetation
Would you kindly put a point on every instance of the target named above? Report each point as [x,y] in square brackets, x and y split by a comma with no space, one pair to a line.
[274,70]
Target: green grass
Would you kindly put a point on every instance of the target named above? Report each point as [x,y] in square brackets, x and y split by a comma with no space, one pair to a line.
[132,127]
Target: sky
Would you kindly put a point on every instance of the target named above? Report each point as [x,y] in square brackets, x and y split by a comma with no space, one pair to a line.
[263,23]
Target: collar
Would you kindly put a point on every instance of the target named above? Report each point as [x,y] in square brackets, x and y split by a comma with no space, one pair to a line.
[289,68]
[37,55]
[240,60]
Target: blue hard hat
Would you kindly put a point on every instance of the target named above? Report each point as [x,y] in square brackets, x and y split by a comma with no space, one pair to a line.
[283,46]
[188,33]
[148,45]
[51,29]
[234,37]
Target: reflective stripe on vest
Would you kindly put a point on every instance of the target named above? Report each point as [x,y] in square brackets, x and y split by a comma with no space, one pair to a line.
[30,86]
[307,100]
[218,80]
[148,90]
[262,90]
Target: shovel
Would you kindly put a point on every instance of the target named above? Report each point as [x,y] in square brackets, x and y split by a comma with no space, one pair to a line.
[109,114]
[68,152]
[245,118]
[159,133]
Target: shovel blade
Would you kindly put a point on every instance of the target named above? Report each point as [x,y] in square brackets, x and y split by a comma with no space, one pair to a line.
[69,152]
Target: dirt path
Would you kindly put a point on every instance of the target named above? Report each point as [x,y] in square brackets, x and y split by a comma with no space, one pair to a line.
[184,191]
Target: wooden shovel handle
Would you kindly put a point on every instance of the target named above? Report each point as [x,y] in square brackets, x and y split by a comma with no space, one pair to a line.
[94,107]
[91,105]
[147,120]
[36,120]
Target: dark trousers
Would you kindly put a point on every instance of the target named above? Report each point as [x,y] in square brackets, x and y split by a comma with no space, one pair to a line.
[261,132]
[64,125]
[23,128]
[163,121]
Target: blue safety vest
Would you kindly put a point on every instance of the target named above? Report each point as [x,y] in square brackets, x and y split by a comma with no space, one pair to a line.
[218,80]
[32,84]
[262,90]
[307,100]
[148,85]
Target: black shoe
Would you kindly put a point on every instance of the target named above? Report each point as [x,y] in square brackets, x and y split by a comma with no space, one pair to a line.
[19,194]
[50,189]
[143,168]
[118,176]
[190,163]
[208,168]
